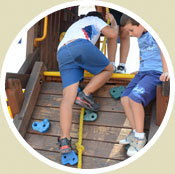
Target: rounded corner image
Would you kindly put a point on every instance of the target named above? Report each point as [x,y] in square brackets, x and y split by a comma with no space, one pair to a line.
[101,137]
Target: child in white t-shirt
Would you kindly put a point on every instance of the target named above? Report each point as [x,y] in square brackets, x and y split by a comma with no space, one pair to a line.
[77,52]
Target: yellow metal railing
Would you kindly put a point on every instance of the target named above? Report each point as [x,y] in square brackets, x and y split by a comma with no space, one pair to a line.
[87,74]
[61,36]
[36,40]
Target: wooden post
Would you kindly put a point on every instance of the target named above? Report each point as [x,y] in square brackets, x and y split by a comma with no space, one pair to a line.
[22,77]
[28,64]
[31,94]
[161,101]
[14,94]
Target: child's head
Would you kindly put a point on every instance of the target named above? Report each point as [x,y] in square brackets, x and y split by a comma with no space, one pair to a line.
[95,13]
[132,26]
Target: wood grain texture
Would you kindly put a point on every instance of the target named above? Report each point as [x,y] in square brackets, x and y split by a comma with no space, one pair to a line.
[35,82]
[106,150]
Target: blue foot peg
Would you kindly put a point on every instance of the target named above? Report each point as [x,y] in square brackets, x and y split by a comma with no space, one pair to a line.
[116,92]
[41,126]
[89,115]
[69,158]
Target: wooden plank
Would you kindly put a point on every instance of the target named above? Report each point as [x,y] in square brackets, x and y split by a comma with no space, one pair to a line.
[104,118]
[44,44]
[22,77]
[50,42]
[27,66]
[56,88]
[161,105]
[30,39]
[88,162]
[92,148]
[108,104]
[110,119]
[166,88]
[15,95]
[56,40]
[90,132]
[153,127]
[36,79]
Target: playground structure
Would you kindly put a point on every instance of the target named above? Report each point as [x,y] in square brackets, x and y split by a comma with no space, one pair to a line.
[39,76]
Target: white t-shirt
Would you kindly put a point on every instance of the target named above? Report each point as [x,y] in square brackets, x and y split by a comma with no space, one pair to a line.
[86,28]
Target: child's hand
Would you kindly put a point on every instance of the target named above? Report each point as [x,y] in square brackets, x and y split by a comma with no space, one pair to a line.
[164,76]
[110,17]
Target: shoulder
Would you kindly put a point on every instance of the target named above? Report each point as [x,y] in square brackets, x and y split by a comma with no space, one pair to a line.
[93,18]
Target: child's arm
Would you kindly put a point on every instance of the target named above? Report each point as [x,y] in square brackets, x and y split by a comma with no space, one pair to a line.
[165,75]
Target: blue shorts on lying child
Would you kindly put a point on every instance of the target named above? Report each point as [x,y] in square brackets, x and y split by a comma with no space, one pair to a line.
[142,89]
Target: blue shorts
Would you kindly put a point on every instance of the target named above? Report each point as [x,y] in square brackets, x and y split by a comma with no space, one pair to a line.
[78,56]
[142,89]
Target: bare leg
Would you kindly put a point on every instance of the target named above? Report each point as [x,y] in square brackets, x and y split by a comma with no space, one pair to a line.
[98,80]
[124,45]
[128,110]
[138,112]
[112,48]
[69,95]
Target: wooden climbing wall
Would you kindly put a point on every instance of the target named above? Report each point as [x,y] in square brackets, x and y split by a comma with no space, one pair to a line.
[100,138]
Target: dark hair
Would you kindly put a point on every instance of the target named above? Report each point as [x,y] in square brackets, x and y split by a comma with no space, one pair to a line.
[82,16]
[95,13]
[127,20]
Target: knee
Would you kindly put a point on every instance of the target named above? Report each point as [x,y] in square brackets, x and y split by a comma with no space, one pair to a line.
[68,100]
[109,68]
[66,103]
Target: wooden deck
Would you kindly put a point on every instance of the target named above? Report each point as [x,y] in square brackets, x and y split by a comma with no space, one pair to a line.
[100,138]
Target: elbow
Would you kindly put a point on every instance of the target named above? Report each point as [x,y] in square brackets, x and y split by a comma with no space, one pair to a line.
[114,35]
[110,32]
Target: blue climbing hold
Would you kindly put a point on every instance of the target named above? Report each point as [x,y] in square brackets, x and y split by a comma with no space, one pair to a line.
[89,116]
[69,158]
[41,126]
[116,92]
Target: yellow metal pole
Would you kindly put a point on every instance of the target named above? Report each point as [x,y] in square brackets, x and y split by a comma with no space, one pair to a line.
[62,35]
[10,112]
[80,147]
[87,74]
[36,40]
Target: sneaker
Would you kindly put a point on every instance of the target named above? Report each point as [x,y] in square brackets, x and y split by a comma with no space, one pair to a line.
[65,145]
[114,67]
[86,102]
[120,69]
[136,146]
[129,139]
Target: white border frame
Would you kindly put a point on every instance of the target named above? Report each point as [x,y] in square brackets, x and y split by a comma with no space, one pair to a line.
[149,144]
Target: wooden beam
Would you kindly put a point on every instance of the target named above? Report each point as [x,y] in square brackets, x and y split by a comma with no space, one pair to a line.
[161,105]
[27,66]
[32,91]
[22,77]
[15,95]
[166,88]
[153,127]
